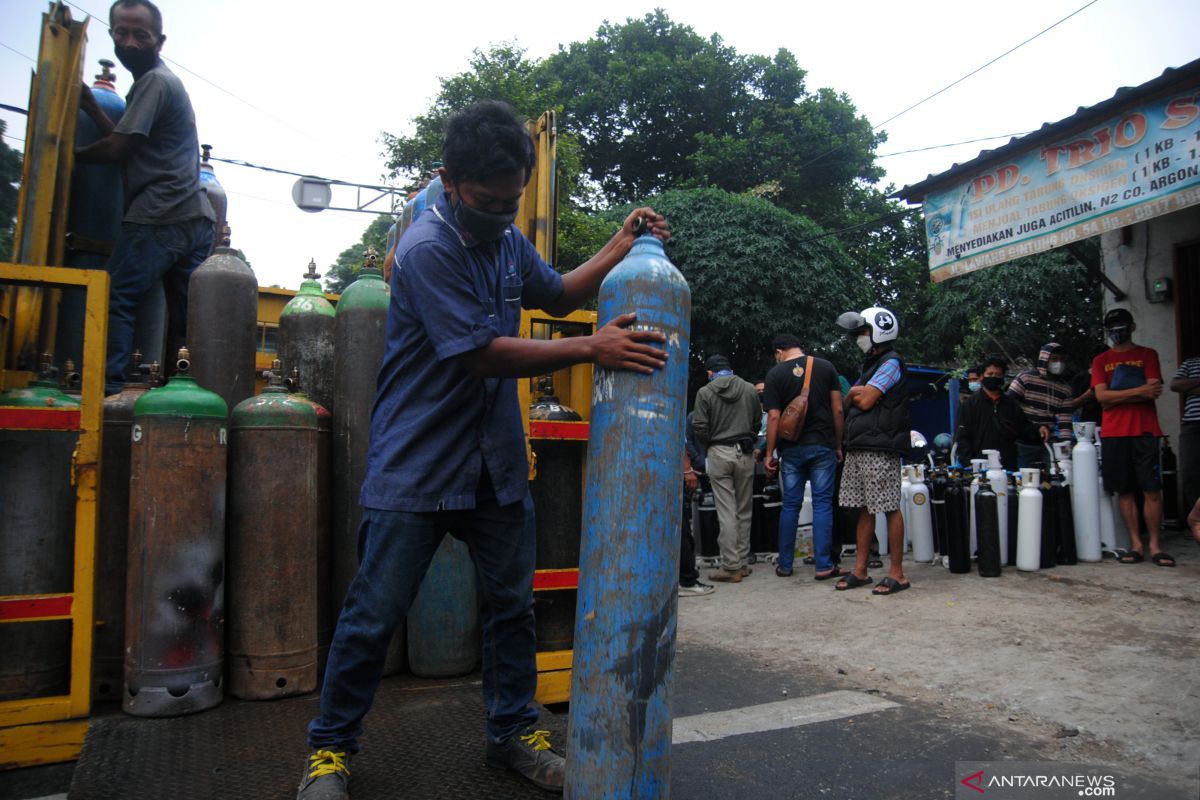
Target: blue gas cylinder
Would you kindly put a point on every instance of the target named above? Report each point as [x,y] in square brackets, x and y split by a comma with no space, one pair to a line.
[620,718]
[443,620]
[93,215]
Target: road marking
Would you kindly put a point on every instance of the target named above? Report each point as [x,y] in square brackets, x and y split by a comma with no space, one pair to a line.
[776,716]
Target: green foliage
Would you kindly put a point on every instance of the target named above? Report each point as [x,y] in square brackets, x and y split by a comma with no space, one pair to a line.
[1013,309]
[501,73]
[657,106]
[343,271]
[756,270]
[10,176]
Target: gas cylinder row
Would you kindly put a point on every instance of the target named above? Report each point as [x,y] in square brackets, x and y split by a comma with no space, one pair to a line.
[1029,520]
[236,563]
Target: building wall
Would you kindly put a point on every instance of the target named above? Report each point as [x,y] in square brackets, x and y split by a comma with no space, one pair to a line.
[1149,254]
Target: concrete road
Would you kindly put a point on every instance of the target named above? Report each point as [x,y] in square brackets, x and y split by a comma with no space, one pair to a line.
[1090,664]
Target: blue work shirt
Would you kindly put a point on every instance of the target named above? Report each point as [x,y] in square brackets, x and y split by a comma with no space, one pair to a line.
[435,427]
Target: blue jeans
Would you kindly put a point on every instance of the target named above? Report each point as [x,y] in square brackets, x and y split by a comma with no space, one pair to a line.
[395,549]
[142,256]
[799,464]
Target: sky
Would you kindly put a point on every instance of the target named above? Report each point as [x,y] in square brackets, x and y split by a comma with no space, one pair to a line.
[309,87]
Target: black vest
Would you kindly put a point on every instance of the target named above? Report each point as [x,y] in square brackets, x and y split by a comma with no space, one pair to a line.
[886,427]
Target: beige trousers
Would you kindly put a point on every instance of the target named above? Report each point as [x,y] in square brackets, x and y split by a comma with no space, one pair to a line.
[731,474]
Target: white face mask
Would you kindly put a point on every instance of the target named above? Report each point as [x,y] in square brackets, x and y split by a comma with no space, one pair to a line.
[864,342]
[1055,367]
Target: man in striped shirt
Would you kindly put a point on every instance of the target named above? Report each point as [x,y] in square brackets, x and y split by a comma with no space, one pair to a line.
[1187,383]
[1045,397]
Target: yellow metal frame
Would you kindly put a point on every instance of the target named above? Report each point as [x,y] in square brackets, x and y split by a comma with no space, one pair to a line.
[35,730]
[29,315]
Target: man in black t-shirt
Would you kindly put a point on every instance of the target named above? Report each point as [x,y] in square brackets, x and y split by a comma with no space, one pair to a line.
[813,458]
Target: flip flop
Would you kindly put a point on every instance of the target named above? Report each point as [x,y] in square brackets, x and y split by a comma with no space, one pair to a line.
[1132,557]
[833,573]
[875,562]
[1163,560]
[852,581]
[893,586]
[783,573]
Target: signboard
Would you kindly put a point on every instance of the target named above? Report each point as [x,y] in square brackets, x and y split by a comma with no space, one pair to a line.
[1140,164]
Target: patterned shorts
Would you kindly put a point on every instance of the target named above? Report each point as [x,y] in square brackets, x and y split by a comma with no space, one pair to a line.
[870,479]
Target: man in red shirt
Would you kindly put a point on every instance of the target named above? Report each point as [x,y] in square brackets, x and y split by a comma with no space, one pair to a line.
[1127,381]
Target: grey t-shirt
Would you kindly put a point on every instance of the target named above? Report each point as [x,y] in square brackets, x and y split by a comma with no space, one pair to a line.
[162,172]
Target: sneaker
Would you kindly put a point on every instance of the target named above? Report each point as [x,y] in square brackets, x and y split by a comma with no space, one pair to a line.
[325,777]
[726,576]
[529,755]
[695,590]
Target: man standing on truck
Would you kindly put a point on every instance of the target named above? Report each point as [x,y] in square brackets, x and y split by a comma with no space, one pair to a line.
[167,229]
[447,451]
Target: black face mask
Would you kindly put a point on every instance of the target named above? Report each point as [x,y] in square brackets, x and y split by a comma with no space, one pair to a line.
[135,59]
[993,383]
[483,226]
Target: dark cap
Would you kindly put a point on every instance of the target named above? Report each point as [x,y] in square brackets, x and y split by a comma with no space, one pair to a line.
[717,362]
[1117,316]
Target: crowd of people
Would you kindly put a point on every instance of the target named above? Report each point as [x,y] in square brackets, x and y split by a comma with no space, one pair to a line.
[852,439]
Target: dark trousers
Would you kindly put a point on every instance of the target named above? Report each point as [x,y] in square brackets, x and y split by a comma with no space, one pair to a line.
[1189,465]
[688,574]
[142,256]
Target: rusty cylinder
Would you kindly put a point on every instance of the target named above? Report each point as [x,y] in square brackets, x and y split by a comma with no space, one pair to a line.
[274,440]
[37,539]
[306,340]
[324,561]
[359,338]
[175,599]
[112,535]
[222,324]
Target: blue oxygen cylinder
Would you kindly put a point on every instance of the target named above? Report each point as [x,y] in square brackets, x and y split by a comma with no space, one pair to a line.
[93,216]
[443,620]
[620,719]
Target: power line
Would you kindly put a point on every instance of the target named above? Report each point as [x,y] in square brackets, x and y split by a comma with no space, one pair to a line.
[988,64]
[306,134]
[955,83]
[18,52]
[954,144]
[335,181]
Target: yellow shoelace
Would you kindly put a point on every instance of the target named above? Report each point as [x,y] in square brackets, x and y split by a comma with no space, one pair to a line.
[325,762]
[537,740]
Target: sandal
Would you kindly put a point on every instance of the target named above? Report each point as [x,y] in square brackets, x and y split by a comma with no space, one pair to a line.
[852,581]
[1163,560]
[875,562]
[1132,557]
[890,585]
[783,573]
[833,573]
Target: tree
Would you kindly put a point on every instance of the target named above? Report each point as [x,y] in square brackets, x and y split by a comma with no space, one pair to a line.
[756,270]
[1013,309]
[657,106]
[500,73]
[343,271]
[10,176]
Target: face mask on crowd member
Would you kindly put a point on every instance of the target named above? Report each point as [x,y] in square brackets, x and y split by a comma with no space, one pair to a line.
[864,342]
[974,386]
[1119,334]
[993,376]
[1055,366]
[993,383]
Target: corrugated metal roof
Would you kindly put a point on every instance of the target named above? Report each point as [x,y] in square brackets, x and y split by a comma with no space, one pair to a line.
[916,192]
